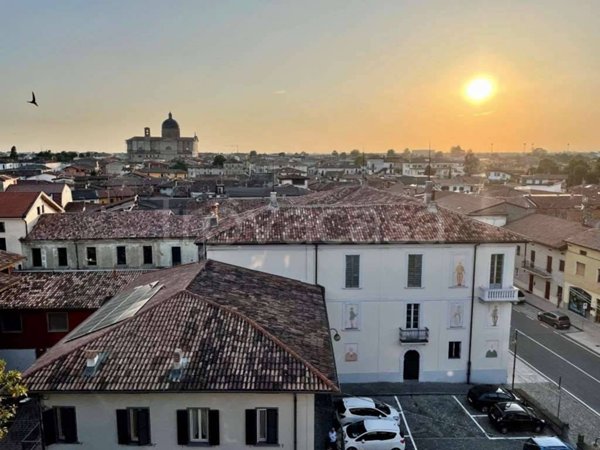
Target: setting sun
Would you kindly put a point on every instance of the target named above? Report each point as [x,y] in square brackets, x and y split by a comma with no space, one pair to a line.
[479,89]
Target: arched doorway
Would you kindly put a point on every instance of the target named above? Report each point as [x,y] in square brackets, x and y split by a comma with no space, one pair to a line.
[411,365]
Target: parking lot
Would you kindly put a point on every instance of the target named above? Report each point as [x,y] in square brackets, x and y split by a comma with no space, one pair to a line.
[433,422]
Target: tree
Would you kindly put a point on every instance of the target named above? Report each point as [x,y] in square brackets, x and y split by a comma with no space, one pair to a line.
[354,153]
[334,153]
[471,163]
[253,153]
[578,171]
[406,153]
[391,152]
[457,152]
[179,165]
[281,153]
[360,160]
[429,171]
[218,161]
[11,388]
[13,153]
[539,152]
[547,165]
[343,155]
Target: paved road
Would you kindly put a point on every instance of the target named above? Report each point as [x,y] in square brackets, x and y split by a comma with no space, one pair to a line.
[561,357]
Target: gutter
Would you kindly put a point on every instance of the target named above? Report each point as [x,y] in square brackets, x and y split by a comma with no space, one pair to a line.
[469,362]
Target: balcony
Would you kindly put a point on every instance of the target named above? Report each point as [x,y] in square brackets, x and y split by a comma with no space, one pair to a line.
[487,294]
[530,267]
[414,336]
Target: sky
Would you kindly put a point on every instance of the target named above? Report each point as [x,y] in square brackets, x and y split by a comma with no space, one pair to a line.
[297,76]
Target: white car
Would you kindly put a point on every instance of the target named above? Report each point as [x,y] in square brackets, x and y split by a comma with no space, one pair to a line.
[353,409]
[373,434]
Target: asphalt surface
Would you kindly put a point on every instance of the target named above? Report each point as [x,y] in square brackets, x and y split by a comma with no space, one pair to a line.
[553,354]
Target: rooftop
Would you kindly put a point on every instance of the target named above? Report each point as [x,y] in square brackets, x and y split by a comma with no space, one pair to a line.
[8,259]
[589,238]
[116,225]
[547,230]
[16,205]
[239,330]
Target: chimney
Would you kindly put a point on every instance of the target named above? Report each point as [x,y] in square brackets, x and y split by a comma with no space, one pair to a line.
[91,358]
[273,200]
[428,191]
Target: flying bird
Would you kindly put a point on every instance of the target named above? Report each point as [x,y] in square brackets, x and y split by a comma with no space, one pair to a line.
[32,101]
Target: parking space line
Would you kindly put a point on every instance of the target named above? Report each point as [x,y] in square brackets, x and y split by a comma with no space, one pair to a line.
[405,422]
[469,414]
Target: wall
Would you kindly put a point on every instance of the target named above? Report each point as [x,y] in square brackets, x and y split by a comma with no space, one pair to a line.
[97,429]
[381,304]
[106,253]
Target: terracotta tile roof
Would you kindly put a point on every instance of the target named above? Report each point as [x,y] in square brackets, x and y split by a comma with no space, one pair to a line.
[6,280]
[546,230]
[15,205]
[8,259]
[349,195]
[589,239]
[116,225]
[64,290]
[467,203]
[403,222]
[240,330]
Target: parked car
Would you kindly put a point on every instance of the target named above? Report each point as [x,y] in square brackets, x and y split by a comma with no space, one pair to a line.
[546,443]
[353,409]
[520,296]
[373,434]
[555,318]
[483,396]
[509,416]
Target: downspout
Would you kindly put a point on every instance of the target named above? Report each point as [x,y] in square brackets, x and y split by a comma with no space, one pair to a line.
[295,421]
[316,263]
[76,254]
[471,316]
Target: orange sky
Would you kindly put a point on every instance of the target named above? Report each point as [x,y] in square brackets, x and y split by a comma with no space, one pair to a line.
[277,76]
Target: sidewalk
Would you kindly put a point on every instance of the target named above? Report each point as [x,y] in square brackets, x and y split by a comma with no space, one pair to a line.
[584,331]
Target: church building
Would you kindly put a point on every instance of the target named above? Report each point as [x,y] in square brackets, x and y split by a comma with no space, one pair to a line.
[170,145]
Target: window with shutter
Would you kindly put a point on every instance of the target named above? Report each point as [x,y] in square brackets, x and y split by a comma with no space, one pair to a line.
[272,426]
[496,271]
[67,431]
[49,423]
[352,271]
[143,422]
[133,426]
[183,433]
[213,427]
[251,427]
[415,270]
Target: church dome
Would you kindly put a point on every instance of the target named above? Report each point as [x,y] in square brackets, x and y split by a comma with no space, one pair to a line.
[170,128]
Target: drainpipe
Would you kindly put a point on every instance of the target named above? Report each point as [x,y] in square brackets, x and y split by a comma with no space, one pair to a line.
[295,421]
[316,263]
[76,254]
[472,308]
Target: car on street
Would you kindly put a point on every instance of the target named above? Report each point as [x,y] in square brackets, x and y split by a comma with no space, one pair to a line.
[353,409]
[520,297]
[557,319]
[515,416]
[373,434]
[483,396]
[546,443]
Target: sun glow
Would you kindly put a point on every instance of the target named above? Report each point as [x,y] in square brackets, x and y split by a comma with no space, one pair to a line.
[479,89]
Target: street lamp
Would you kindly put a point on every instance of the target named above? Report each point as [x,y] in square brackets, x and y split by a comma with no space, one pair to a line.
[336,335]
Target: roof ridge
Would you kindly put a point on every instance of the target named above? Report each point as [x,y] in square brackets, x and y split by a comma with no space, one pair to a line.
[268,334]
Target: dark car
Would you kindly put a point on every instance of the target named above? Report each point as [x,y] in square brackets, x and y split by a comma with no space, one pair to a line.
[483,396]
[556,319]
[509,416]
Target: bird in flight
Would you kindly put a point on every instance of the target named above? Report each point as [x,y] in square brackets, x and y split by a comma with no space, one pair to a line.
[32,101]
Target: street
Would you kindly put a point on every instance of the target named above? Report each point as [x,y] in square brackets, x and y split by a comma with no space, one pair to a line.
[553,354]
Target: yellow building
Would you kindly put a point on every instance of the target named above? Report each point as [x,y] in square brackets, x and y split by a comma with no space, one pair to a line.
[582,273]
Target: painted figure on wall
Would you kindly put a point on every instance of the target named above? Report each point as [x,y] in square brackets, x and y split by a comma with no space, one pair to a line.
[460,274]
[494,315]
[351,353]
[492,352]
[351,313]
[456,316]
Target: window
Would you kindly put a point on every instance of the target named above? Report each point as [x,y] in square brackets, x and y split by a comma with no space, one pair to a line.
[198,425]
[518,250]
[582,252]
[454,350]
[412,316]
[39,210]
[561,265]
[532,258]
[175,256]
[121,256]
[62,257]
[2,228]
[36,256]
[262,426]
[91,256]
[58,322]
[598,276]
[549,264]
[580,269]
[415,266]
[10,322]
[147,254]
[352,271]
[3,244]
[133,426]
[60,425]
[496,269]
